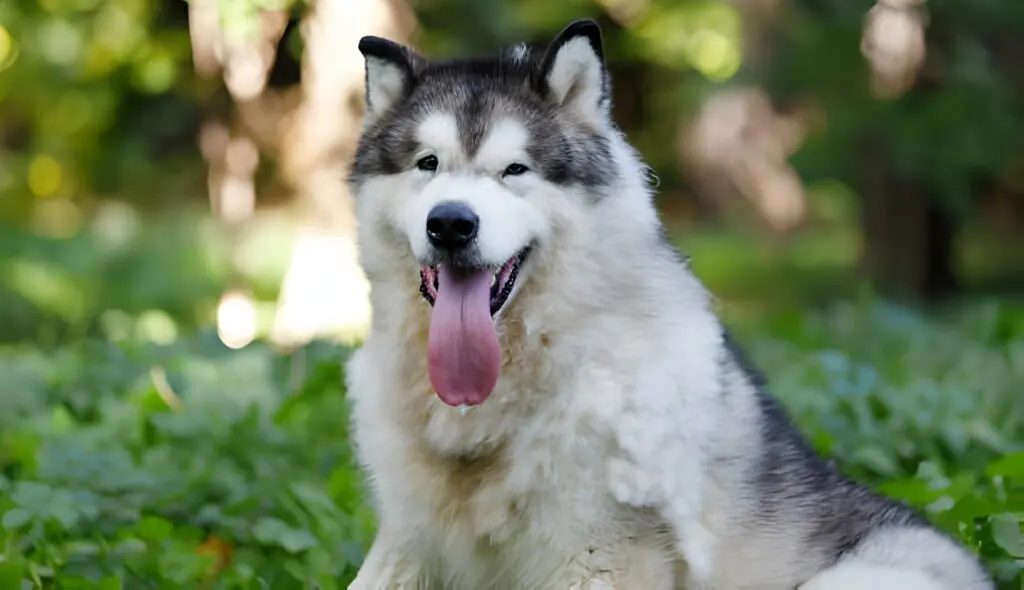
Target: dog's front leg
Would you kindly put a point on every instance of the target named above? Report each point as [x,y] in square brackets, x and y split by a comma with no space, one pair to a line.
[631,568]
[390,565]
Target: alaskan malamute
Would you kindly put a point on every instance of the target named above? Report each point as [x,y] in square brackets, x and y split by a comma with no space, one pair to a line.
[546,399]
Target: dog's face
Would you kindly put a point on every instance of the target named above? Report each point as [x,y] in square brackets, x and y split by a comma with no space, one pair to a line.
[467,170]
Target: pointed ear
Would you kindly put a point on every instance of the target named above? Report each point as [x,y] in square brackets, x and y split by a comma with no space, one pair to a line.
[390,73]
[572,72]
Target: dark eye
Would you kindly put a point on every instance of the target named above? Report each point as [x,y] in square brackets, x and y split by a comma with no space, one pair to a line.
[427,163]
[514,170]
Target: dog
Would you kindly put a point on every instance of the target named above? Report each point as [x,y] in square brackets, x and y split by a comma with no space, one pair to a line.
[545,397]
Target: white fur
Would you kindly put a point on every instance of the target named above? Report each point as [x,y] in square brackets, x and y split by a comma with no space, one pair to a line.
[859,576]
[505,144]
[509,219]
[385,83]
[576,79]
[520,52]
[438,134]
[900,559]
[588,467]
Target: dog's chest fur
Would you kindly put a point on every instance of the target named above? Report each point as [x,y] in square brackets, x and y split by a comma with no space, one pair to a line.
[522,512]
[495,512]
[511,491]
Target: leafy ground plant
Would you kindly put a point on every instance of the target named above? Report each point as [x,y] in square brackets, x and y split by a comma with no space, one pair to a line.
[177,467]
[130,465]
[929,412]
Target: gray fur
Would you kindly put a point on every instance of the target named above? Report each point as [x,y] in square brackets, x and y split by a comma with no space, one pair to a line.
[475,90]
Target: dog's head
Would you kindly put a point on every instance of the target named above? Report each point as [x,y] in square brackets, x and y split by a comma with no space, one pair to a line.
[468,174]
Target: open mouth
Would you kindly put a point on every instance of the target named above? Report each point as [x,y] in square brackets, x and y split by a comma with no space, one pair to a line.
[503,280]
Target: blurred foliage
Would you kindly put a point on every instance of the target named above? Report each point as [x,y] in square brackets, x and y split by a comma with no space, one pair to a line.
[94,93]
[125,275]
[100,98]
[958,130]
[91,93]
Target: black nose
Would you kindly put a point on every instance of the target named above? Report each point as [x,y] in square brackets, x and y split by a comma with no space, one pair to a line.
[451,225]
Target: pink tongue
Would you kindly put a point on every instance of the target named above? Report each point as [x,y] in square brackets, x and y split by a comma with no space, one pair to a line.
[463,355]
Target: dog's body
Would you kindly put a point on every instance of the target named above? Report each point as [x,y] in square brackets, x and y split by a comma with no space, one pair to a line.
[624,445]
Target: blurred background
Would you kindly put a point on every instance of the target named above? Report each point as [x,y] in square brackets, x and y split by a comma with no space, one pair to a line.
[178,275]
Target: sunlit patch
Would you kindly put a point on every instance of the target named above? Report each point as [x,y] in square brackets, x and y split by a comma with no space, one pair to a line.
[707,36]
[893,43]
[157,73]
[45,176]
[625,12]
[115,224]
[715,55]
[8,49]
[47,287]
[157,326]
[236,320]
[315,302]
[117,325]
[60,42]
[57,218]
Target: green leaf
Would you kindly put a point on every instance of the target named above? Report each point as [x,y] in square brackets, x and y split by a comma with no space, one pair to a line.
[911,490]
[110,583]
[82,548]
[31,494]
[273,531]
[1011,465]
[62,509]
[268,530]
[61,420]
[80,578]
[11,575]
[181,566]
[1007,534]
[315,499]
[877,459]
[130,546]
[153,528]
[296,540]
[16,517]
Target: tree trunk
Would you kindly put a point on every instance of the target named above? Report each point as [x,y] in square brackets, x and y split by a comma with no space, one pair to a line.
[908,236]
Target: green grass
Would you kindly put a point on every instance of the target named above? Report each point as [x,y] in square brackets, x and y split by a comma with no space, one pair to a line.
[130,464]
